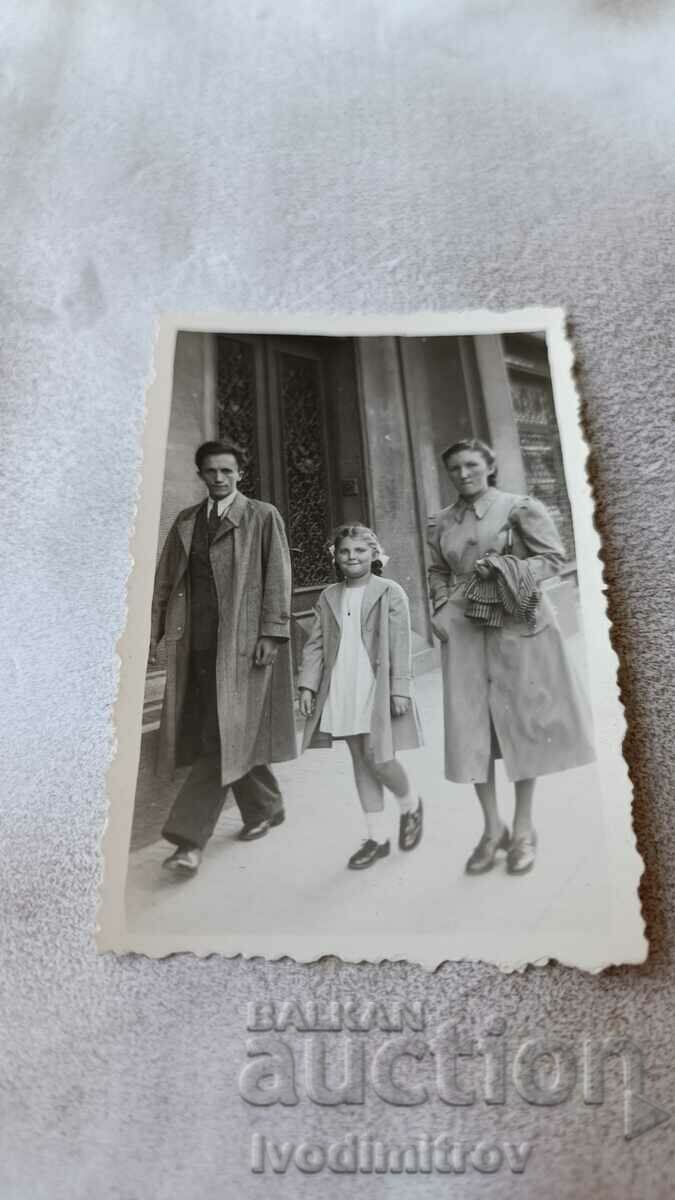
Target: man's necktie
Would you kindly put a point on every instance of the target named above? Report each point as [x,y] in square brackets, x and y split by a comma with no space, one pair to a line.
[214,521]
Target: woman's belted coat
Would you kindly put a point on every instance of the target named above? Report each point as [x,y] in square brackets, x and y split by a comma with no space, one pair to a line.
[385,631]
[251,568]
[516,682]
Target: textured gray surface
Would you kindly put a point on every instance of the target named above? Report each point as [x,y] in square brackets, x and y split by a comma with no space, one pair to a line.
[297,155]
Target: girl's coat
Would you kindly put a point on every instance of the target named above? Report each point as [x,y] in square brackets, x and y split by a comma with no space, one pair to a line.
[385,631]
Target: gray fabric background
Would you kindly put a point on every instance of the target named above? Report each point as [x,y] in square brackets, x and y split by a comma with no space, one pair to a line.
[388,155]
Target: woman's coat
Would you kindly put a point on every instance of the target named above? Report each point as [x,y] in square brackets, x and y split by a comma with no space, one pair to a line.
[385,631]
[251,567]
[519,680]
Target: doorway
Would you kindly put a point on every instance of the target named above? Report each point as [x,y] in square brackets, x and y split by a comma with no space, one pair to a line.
[292,404]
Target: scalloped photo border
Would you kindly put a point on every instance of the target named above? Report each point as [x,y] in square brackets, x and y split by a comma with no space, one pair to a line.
[623,940]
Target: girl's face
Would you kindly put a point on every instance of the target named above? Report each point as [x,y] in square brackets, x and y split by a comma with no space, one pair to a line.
[469,472]
[354,557]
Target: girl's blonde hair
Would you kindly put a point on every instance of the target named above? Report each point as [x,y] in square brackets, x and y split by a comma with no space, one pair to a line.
[366,535]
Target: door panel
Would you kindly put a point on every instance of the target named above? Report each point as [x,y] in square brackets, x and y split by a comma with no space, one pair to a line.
[241,409]
[291,402]
[299,414]
[529,376]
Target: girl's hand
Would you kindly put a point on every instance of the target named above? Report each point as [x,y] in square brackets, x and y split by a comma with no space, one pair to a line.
[306,698]
[399,705]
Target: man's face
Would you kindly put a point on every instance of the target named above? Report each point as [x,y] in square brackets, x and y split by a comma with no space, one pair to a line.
[220,473]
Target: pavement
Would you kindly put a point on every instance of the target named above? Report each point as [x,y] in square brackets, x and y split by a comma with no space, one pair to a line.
[295,880]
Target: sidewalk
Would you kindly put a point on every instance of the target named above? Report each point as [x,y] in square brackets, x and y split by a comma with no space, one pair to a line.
[295,879]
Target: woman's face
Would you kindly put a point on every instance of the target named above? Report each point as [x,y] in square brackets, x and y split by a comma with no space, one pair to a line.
[354,557]
[469,472]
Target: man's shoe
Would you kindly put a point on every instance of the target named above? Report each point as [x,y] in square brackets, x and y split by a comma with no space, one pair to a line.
[250,833]
[522,853]
[368,853]
[410,827]
[483,857]
[185,860]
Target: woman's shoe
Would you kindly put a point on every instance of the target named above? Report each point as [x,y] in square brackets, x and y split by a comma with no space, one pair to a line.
[483,857]
[522,853]
[410,827]
[368,853]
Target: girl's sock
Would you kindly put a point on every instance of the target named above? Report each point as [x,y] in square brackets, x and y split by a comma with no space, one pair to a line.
[407,803]
[377,826]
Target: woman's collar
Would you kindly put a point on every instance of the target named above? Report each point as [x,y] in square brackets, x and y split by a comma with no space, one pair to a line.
[479,506]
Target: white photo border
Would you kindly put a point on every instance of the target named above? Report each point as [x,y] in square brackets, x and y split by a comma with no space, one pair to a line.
[627,943]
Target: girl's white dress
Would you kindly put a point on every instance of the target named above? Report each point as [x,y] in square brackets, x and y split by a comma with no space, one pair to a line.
[349,703]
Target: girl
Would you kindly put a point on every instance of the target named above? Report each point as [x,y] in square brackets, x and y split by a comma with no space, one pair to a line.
[355,683]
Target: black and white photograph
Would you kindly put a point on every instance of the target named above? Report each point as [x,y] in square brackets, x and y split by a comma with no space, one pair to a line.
[367,721]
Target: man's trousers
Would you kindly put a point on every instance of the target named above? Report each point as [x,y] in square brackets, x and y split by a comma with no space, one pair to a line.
[200,800]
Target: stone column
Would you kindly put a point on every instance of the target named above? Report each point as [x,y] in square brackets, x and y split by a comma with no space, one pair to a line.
[391,473]
[501,421]
[187,428]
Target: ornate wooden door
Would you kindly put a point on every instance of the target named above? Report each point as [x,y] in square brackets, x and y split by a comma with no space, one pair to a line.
[534,409]
[291,402]
[301,427]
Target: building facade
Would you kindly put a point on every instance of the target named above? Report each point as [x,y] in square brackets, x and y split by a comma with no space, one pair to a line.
[351,429]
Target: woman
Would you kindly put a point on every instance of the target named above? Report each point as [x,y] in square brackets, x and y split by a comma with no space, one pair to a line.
[509,689]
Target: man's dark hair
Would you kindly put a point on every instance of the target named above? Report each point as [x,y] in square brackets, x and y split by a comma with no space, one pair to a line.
[220,447]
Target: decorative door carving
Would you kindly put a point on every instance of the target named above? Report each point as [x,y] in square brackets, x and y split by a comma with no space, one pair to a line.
[237,400]
[309,507]
[278,398]
[534,410]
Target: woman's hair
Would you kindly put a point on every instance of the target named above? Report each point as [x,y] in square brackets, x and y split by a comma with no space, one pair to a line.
[479,447]
[366,535]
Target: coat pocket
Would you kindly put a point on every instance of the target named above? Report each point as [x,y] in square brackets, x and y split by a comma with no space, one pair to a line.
[530,633]
[248,622]
[522,630]
[440,622]
[253,614]
[176,615]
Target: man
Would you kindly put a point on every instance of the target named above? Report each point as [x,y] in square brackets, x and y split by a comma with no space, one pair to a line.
[222,605]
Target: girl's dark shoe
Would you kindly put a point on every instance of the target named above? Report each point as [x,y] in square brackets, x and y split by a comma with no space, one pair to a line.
[368,853]
[410,827]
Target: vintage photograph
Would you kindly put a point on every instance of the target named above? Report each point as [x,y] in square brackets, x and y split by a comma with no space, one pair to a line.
[367,724]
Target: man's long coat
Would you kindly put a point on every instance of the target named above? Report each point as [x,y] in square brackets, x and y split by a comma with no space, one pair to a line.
[251,567]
